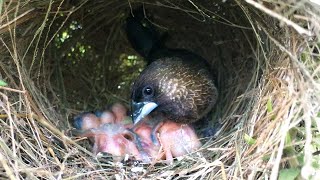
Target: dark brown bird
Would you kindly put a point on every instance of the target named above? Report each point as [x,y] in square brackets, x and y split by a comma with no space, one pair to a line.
[177,85]
[179,89]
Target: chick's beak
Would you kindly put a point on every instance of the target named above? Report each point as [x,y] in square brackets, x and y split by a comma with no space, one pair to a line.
[141,110]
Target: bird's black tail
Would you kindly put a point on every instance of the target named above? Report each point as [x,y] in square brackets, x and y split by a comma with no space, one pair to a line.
[149,43]
[142,34]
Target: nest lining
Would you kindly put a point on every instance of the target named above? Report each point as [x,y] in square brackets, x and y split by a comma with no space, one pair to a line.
[267,76]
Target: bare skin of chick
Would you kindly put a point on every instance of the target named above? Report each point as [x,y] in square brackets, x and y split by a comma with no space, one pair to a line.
[120,112]
[173,139]
[177,140]
[117,114]
[154,152]
[110,134]
[116,140]
[89,121]
[107,117]
[140,136]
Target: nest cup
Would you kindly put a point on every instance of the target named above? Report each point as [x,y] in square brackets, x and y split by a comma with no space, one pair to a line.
[60,58]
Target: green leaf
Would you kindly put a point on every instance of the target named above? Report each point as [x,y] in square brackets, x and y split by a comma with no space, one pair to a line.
[300,158]
[249,140]
[2,83]
[1,6]
[289,174]
[289,149]
[266,157]
[269,105]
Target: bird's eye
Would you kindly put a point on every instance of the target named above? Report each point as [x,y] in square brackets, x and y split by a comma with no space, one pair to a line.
[147,91]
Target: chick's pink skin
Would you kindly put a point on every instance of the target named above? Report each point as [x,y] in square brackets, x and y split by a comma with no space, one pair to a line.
[140,136]
[120,114]
[119,111]
[153,151]
[116,114]
[90,121]
[107,117]
[177,140]
[111,138]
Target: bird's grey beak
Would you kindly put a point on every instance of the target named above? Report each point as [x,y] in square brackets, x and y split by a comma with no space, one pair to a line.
[141,110]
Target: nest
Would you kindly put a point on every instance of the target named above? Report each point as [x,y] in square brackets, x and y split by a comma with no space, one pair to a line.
[59,58]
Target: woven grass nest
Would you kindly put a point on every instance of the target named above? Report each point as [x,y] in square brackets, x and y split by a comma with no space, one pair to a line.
[59,58]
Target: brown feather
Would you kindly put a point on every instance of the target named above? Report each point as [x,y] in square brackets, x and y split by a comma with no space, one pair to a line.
[183,85]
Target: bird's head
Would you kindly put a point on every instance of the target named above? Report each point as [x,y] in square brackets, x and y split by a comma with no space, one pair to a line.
[171,87]
[146,96]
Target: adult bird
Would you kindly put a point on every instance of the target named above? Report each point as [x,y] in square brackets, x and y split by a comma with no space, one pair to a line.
[177,84]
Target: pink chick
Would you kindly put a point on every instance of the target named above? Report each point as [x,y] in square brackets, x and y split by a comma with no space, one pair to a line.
[86,121]
[153,151]
[116,140]
[177,140]
[106,116]
[119,111]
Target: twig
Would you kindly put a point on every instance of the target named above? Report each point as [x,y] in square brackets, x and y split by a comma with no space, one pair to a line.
[13,90]
[26,16]
[299,29]
[6,167]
